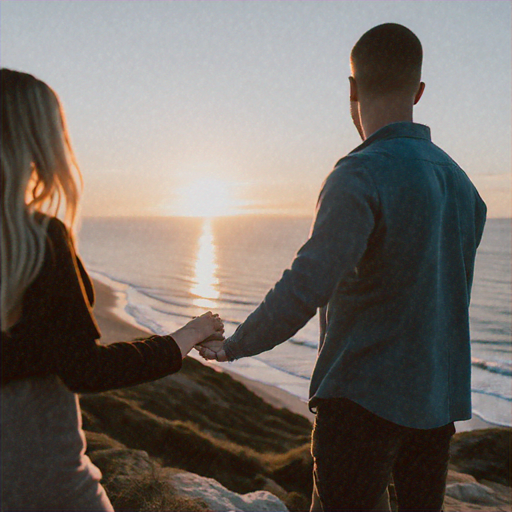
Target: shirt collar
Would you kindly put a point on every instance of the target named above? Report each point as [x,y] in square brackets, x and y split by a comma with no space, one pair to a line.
[396,130]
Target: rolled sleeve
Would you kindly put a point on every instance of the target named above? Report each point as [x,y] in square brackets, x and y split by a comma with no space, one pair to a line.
[345,218]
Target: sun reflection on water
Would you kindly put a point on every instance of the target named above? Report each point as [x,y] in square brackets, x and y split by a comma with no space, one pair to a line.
[205,286]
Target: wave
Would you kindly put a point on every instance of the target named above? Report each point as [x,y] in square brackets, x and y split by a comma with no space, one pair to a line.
[489,420]
[500,367]
[149,295]
[304,343]
[280,369]
[491,342]
[226,321]
[111,280]
[491,329]
[143,320]
[142,314]
[492,407]
[240,302]
[493,394]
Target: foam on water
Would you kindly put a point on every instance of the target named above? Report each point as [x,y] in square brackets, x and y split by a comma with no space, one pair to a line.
[502,367]
[154,291]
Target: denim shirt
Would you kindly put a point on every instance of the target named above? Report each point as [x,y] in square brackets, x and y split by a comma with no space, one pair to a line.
[391,256]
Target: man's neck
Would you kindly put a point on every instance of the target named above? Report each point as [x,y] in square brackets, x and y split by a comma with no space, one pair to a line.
[375,115]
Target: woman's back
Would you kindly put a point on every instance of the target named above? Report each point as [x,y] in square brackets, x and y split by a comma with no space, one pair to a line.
[43,450]
[49,345]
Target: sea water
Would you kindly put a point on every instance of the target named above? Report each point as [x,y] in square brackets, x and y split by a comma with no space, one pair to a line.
[170,269]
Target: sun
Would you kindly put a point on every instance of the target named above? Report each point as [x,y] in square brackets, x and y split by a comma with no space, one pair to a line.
[206,197]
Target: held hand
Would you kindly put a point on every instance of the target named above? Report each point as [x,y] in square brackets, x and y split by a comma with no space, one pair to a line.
[212,350]
[216,336]
[204,327]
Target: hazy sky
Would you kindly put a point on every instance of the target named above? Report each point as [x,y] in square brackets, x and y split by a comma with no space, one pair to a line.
[250,98]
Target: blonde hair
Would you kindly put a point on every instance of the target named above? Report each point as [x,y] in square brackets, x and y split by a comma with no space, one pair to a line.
[37,173]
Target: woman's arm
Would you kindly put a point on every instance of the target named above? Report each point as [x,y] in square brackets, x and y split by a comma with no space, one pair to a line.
[58,334]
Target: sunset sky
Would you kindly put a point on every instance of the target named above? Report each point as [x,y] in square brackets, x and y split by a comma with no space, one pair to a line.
[219,107]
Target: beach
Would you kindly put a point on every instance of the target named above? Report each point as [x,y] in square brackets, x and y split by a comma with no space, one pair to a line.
[114,328]
[191,268]
[279,443]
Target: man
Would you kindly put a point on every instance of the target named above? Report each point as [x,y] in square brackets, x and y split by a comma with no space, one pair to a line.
[391,256]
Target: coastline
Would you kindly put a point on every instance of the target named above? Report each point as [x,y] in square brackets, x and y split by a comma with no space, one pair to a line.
[116,326]
[145,442]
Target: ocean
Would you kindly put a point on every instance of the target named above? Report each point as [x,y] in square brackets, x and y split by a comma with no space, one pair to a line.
[167,270]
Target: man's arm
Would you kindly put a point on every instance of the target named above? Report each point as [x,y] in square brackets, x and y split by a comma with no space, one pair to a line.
[344,220]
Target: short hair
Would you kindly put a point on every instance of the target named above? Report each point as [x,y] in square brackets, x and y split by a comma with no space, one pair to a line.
[387,60]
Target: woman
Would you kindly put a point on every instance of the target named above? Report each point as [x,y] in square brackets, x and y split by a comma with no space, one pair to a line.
[49,347]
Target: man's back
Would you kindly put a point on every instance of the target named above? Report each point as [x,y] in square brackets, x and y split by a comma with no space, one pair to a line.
[397,339]
[391,254]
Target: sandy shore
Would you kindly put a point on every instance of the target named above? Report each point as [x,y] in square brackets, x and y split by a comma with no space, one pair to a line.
[114,328]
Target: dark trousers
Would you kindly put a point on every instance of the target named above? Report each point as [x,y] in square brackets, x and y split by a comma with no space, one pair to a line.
[356,453]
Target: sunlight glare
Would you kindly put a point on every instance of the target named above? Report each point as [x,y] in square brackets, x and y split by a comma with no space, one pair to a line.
[206,198]
[205,287]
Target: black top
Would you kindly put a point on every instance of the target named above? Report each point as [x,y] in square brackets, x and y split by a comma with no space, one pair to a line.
[57,332]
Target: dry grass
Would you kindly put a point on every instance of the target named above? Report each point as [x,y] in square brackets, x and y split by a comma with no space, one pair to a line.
[149,492]
[204,422]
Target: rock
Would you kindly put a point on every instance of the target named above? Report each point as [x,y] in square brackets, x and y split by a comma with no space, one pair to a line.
[267,484]
[455,477]
[116,462]
[453,505]
[150,492]
[204,422]
[498,488]
[484,453]
[502,493]
[472,493]
[220,499]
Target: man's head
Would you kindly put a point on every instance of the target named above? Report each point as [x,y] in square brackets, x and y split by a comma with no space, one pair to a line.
[387,61]
[386,73]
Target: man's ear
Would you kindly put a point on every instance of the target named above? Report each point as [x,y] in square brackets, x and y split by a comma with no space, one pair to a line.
[353,89]
[419,93]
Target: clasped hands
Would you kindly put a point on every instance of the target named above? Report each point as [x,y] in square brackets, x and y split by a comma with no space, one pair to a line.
[212,350]
[205,333]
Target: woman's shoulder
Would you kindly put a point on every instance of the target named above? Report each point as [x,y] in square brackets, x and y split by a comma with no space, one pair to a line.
[56,230]
[59,250]
[53,224]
